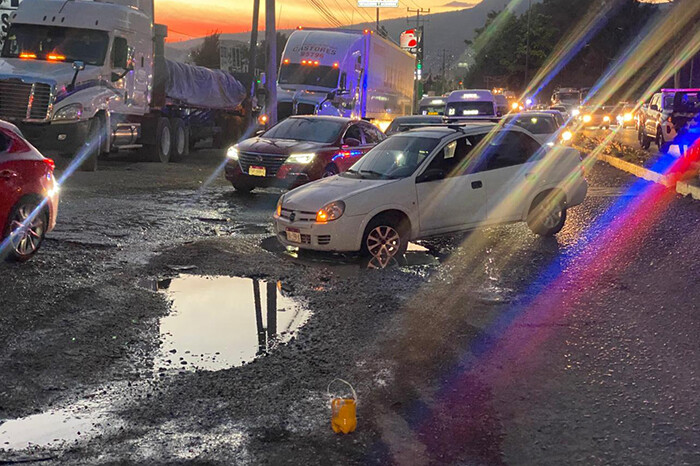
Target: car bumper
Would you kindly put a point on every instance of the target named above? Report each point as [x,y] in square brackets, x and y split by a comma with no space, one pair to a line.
[287,177]
[577,193]
[63,138]
[342,235]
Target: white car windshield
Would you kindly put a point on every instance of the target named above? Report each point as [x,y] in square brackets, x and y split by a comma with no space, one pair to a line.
[397,157]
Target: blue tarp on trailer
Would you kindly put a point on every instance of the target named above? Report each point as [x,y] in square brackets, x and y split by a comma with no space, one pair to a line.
[197,86]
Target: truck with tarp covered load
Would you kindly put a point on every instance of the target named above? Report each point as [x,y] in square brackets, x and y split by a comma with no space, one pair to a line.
[89,77]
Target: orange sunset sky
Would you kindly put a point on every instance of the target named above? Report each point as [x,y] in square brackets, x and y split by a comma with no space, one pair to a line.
[187,19]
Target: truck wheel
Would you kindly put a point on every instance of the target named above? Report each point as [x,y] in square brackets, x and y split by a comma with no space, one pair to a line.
[164,142]
[644,140]
[661,141]
[96,142]
[180,139]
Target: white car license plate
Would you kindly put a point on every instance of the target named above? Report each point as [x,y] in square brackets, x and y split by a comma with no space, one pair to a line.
[293,235]
[257,171]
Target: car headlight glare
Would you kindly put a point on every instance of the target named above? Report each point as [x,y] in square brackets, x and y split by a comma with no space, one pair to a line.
[566,136]
[587,118]
[606,118]
[628,117]
[330,212]
[279,206]
[301,158]
[232,153]
[576,112]
[70,112]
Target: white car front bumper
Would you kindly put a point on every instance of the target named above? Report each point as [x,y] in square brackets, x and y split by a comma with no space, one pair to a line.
[342,235]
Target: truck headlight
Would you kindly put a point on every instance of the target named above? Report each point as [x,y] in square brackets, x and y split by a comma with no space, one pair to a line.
[628,117]
[70,112]
[301,158]
[232,153]
[330,212]
[566,136]
[606,118]
[587,118]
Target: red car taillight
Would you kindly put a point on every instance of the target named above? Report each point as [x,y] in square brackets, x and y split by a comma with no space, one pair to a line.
[50,163]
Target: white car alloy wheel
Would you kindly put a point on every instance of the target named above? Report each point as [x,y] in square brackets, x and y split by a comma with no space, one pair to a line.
[26,234]
[383,241]
[553,215]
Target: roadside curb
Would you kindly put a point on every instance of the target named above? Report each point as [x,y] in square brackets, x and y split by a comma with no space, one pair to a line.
[636,170]
[687,189]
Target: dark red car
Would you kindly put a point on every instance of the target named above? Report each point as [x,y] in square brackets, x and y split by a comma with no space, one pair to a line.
[298,150]
[28,195]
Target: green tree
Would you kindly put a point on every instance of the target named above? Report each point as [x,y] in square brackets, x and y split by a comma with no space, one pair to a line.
[208,54]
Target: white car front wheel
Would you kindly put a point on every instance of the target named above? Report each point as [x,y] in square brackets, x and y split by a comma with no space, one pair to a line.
[386,236]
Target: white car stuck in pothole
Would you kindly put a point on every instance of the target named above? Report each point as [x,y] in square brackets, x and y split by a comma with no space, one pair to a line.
[434,181]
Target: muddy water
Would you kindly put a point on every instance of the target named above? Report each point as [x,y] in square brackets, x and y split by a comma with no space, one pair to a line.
[220,322]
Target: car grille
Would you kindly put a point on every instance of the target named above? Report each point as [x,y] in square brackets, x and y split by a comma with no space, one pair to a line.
[323,239]
[299,215]
[306,109]
[272,163]
[23,101]
[284,110]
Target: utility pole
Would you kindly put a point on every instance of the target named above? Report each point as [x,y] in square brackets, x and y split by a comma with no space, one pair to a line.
[377,20]
[271,74]
[418,88]
[527,46]
[253,60]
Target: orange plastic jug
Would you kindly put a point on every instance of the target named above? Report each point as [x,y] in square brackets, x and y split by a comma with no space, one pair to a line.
[343,411]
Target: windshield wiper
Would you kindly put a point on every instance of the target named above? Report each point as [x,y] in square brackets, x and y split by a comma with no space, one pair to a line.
[372,172]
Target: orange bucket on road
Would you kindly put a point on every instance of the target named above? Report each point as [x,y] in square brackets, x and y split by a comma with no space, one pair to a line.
[343,410]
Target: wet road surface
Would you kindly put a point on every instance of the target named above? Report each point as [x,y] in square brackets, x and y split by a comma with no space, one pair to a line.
[494,347]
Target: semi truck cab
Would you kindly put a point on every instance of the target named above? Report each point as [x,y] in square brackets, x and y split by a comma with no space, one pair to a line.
[64,66]
[347,73]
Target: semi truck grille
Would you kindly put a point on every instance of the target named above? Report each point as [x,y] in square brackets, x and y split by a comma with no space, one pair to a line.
[24,101]
[272,163]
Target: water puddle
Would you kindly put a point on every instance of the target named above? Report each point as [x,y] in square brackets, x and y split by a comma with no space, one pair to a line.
[416,255]
[220,322]
[53,428]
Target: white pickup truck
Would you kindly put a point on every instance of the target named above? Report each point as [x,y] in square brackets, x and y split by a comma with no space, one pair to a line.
[666,115]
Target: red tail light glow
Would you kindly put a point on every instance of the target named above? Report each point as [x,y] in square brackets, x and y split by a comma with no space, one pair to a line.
[27,55]
[50,163]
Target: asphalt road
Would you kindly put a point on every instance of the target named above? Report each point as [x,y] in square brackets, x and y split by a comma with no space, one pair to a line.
[499,347]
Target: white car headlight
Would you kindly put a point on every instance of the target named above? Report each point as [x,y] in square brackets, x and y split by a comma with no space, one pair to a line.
[587,118]
[232,153]
[576,112]
[301,158]
[606,118]
[567,135]
[330,212]
[70,112]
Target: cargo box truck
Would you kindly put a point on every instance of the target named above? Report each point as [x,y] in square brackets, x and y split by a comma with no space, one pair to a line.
[91,77]
[355,74]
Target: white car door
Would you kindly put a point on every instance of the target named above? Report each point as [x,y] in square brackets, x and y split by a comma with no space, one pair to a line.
[450,196]
[510,175]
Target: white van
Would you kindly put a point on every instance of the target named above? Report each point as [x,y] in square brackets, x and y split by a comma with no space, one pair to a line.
[470,105]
